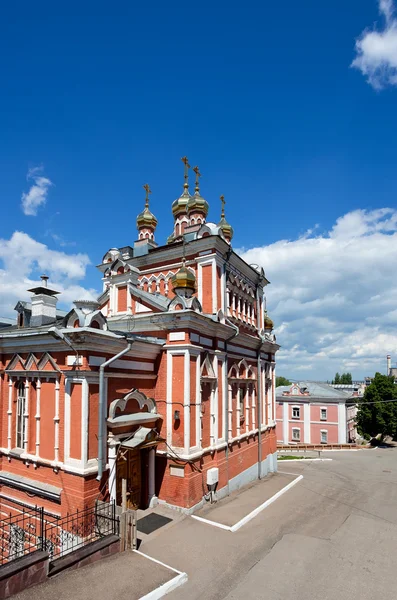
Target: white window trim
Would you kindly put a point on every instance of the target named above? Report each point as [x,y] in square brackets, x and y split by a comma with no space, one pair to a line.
[292,412]
[326,413]
[299,431]
[321,432]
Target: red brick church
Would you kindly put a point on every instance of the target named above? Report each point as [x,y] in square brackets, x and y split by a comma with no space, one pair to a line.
[167,380]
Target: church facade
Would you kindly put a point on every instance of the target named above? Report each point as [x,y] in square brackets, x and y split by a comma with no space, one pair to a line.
[165,381]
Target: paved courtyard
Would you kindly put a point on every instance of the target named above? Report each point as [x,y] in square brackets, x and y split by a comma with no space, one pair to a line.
[332,535]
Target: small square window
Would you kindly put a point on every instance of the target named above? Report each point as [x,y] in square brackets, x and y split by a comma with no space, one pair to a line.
[323,414]
[296,412]
[324,437]
[296,435]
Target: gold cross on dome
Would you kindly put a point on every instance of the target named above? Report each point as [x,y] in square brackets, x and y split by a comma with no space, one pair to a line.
[185,161]
[223,201]
[198,174]
[148,191]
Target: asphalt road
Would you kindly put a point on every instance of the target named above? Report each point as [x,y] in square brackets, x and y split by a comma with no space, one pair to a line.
[333,535]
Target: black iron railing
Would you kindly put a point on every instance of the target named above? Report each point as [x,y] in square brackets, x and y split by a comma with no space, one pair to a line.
[21,534]
[80,528]
[33,530]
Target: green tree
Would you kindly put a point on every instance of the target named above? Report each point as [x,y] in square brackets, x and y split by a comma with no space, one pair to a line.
[377,413]
[282,381]
[346,378]
[337,378]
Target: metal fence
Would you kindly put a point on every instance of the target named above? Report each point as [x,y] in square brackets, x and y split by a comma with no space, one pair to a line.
[79,529]
[32,530]
[21,534]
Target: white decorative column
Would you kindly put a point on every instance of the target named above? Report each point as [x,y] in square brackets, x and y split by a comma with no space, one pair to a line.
[247,408]
[238,411]
[112,456]
[306,423]
[9,412]
[186,402]
[253,408]
[56,422]
[230,413]
[152,477]
[285,422]
[215,404]
[341,423]
[37,416]
[26,415]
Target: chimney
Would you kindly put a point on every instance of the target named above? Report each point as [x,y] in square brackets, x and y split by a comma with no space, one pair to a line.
[388,369]
[44,304]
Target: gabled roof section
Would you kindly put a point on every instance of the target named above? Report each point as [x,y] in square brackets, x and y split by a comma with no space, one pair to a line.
[47,363]
[16,364]
[154,301]
[31,363]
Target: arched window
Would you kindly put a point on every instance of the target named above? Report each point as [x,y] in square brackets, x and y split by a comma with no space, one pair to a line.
[21,406]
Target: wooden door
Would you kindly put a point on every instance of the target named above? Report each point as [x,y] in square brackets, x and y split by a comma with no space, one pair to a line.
[129,468]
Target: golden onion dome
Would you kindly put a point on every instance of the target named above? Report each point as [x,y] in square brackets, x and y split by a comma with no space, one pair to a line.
[146,218]
[179,205]
[223,225]
[183,279]
[268,323]
[226,228]
[197,202]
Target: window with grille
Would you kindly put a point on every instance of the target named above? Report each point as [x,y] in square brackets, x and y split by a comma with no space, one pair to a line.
[324,437]
[323,414]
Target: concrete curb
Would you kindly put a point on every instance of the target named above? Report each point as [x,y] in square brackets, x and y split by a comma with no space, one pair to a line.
[256,511]
[168,586]
[301,460]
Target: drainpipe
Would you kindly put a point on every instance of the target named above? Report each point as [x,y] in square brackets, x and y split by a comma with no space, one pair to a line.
[102,410]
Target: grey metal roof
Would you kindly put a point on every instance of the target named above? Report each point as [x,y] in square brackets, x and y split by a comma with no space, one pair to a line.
[316,390]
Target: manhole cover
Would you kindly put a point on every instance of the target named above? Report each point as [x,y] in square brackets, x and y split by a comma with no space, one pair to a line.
[152,522]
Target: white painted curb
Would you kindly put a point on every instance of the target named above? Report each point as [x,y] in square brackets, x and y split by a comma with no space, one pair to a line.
[168,586]
[255,512]
[303,460]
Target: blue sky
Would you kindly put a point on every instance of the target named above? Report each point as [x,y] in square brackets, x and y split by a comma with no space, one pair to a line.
[262,96]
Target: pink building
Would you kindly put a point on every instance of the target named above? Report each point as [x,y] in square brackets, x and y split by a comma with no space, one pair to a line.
[311,413]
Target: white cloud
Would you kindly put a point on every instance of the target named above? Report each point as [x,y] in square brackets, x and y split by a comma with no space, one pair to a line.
[37,195]
[377,49]
[23,260]
[333,296]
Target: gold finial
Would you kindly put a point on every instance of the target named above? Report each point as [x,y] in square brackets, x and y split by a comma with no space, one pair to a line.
[223,201]
[198,175]
[148,191]
[185,161]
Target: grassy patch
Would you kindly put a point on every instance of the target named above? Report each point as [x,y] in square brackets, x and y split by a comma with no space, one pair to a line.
[283,457]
